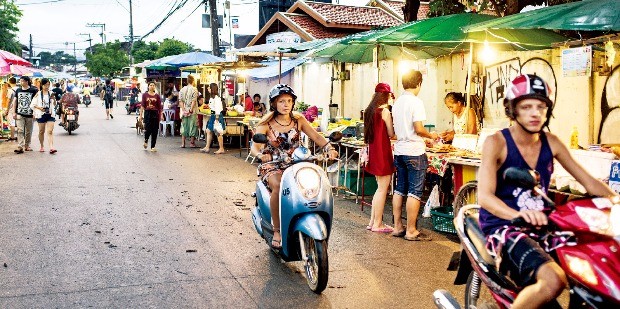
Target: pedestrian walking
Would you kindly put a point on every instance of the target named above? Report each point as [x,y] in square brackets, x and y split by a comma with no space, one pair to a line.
[409,155]
[23,113]
[10,112]
[216,121]
[188,97]
[108,99]
[150,113]
[43,105]
[378,130]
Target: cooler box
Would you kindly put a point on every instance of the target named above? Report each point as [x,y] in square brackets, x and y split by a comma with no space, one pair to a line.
[370,183]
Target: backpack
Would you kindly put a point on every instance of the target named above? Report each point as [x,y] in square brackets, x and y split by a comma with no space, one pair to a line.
[109,93]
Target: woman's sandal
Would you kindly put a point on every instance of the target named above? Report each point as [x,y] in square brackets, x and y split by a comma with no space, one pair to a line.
[277,242]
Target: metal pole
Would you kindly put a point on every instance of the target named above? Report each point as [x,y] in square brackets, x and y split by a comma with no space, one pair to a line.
[214,27]
[74,62]
[130,32]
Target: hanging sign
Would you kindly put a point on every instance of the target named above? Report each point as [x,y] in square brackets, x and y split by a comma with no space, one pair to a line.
[577,61]
[208,76]
[283,37]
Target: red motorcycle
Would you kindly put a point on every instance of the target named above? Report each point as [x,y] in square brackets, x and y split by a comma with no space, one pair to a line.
[583,236]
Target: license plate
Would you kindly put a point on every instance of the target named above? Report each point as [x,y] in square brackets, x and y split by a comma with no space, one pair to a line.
[70,117]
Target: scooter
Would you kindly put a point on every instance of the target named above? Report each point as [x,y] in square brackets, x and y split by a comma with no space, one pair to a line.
[71,123]
[583,236]
[86,100]
[306,211]
[133,106]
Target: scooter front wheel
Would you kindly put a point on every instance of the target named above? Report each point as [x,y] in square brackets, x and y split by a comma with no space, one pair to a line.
[477,293]
[316,265]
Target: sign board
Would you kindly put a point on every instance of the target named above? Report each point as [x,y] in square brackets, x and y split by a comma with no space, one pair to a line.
[614,176]
[208,76]
[283,37]
[577,61]
[206,21]
[234,22]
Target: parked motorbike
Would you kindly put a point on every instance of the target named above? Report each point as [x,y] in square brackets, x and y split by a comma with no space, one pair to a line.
[306,211]
[585,237]
[133,106]
[71,123]
[86,100]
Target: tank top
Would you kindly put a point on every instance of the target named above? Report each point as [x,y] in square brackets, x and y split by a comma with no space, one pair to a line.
[515,197]
[380,159]
[283,143]
[460,123]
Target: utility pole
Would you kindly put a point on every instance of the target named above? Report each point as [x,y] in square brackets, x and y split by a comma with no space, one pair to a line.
[214,27]
[90,42]
[30,50]
[102,34]
[74,59]
[130,32]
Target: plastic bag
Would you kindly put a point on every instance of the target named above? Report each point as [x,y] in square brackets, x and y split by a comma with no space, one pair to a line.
[217,128]
[432,202]
[363,156]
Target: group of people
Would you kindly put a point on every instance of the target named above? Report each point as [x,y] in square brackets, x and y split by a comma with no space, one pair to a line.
[36,101]
[523,145]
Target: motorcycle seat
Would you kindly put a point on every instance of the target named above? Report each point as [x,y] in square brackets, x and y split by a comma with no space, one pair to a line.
[477,238]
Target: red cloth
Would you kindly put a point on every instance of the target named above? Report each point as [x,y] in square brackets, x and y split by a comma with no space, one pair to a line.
[380,158]
[249,104]
[151,102]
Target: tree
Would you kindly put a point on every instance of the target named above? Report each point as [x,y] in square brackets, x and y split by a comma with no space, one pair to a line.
[10,15]
[144,51]
[171,47]
[107,60]
[501,7]
[445,7]
[410,10]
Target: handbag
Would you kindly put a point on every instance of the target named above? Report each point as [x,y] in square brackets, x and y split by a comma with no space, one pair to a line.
[217,128]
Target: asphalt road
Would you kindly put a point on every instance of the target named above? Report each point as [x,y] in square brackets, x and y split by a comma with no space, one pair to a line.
[104,223]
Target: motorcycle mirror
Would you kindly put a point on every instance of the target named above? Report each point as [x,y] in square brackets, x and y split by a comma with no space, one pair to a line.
[260,138]
[335,136]
[521,177]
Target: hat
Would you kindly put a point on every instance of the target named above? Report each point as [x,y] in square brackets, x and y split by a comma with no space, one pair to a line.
[384,87]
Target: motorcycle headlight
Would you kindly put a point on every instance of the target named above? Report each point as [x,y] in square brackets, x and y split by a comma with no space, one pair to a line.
[601,221]
[308,182]
[581,268]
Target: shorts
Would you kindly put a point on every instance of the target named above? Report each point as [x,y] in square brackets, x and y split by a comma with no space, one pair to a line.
[212,121]
[410,173]
[521,260]
[46,118]
[108,104]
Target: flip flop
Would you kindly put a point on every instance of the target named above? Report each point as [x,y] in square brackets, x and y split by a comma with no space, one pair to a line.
[53,151]
[399,234]
[368,227]
[386,229]
[220,152]
[420,237]
[182,146]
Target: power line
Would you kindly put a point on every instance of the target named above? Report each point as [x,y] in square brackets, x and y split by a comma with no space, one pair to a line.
[42,2]
[170,13]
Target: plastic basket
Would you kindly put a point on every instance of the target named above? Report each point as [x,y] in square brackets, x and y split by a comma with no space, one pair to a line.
[443,218]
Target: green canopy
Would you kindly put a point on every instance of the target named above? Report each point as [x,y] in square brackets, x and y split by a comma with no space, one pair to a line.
[586,15]
[447,32]
[348,50]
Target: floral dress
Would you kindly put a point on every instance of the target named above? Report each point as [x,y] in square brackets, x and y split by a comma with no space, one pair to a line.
[280,144]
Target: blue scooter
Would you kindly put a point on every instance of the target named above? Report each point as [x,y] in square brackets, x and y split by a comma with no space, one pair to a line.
[306,210]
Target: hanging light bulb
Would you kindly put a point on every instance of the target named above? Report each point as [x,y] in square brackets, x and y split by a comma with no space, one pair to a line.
[610,53]
[487,54]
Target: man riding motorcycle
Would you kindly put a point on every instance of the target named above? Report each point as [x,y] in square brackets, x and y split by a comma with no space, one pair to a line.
[525,145]
[69,99]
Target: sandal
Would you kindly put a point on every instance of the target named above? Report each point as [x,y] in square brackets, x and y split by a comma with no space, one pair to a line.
[53,151]
[41,150]
[192,145]
[419,237]
[276,244]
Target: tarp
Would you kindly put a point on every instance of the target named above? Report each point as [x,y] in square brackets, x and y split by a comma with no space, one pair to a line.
[183,60]
[272,68]
[586,15]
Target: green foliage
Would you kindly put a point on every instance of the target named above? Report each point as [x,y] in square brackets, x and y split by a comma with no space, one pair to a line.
[10,15]
[445,7]
[58,58]
[171,47]
[107,60]
[301,106]
[501,7]
[144,51]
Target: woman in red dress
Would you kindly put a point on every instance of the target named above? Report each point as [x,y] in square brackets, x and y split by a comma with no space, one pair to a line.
[378,130]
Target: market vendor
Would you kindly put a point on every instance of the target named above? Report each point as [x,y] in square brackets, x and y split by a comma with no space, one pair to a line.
[464,120]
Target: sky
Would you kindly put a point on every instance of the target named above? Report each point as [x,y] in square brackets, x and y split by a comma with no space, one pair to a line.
[54,23]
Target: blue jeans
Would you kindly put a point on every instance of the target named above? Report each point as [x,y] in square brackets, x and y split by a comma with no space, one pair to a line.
[410,173]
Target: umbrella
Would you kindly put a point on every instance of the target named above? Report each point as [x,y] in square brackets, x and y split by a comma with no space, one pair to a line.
[447,31]
[11,58]
[183,60]
[588,15]
[21,70]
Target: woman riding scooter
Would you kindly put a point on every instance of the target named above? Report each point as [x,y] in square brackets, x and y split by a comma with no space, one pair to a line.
[283,129]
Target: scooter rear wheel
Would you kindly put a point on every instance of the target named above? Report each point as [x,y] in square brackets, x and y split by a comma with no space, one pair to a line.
[316,263]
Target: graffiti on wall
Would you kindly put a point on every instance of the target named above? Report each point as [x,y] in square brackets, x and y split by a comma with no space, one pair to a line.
[610,109]
[497,77]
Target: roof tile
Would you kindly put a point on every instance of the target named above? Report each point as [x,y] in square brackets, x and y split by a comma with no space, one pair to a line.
[315,29]
[354,15]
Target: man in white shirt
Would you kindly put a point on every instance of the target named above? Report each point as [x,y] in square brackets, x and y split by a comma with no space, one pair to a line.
[409,156]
